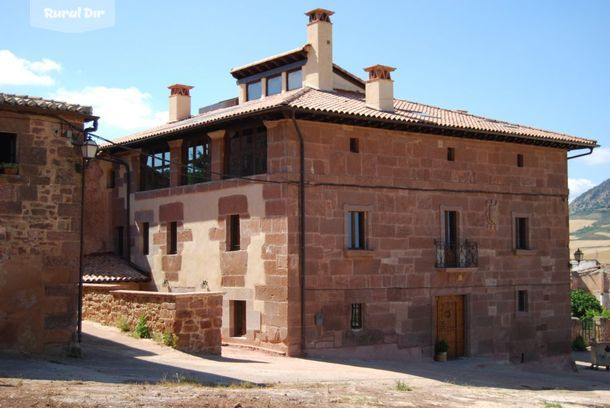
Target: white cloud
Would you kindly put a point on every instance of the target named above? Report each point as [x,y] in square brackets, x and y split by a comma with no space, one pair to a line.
[601,155]
[120,108]
[578,186]
[19,71]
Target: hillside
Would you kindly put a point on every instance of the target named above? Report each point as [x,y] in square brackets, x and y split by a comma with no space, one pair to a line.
[593,200]
[590,223]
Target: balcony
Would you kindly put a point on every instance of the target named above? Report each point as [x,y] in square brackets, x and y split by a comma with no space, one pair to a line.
[456,255]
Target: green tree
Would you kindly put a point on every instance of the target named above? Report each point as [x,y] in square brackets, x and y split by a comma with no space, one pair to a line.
[583,301]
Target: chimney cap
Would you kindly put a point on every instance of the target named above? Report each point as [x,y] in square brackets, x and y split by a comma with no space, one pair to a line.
[319,14]
[180,89]
[379,72]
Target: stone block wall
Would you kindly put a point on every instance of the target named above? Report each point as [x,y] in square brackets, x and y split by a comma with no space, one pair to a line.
[195,319]
[39,233]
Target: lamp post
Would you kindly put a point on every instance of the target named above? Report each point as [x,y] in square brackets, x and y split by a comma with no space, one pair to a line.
[578,255]
[88,151]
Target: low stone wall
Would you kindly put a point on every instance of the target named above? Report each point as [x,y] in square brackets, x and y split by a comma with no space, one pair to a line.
[194,318]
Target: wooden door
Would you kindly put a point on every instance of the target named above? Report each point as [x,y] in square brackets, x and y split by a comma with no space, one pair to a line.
[450,323]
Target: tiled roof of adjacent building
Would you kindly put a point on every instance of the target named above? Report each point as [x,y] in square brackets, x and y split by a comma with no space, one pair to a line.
[352,105]
[41,103]
[108,267]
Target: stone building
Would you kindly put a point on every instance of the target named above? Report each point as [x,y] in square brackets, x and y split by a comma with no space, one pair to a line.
[339,219]
[40,204]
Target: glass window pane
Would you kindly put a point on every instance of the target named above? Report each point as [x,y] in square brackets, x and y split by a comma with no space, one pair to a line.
[274,85]
[295,80]
[254,90]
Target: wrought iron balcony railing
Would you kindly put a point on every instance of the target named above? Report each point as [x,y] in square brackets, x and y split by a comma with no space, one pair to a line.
[463,254]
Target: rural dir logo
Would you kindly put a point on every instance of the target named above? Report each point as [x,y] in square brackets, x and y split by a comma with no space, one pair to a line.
[72,16]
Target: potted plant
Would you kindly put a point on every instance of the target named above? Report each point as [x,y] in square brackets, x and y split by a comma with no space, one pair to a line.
[9,168]
[440,350]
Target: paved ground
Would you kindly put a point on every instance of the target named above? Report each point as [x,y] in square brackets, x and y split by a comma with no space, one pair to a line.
[118,370]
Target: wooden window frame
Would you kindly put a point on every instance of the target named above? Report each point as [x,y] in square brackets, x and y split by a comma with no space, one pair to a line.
[288,88]
[248,96]
[267,87]
[243,158]
[150,165]
[192,164]
[521,233]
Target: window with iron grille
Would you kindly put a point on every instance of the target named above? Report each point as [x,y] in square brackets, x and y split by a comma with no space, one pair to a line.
[246,150]
[356,229]
[196,160]
[155,168]
[356,316]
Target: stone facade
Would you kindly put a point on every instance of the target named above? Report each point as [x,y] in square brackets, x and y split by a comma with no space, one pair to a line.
[39,231]
[194,319]
[404,182]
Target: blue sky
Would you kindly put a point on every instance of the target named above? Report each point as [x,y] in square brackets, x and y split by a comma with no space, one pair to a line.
[542,63]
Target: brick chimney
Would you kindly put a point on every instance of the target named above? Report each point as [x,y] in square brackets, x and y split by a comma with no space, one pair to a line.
[380,88]
[179,102]
[318,71]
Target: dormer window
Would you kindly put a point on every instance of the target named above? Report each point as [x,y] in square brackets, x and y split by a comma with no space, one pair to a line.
[274,85]
[295,79]
[254,91]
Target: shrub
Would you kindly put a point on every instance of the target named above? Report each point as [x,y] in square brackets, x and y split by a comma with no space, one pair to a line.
[123,324]
[583,301]
[402,386]
[168,338]
[441,346]
[141,331]
[594,313]
[579,344]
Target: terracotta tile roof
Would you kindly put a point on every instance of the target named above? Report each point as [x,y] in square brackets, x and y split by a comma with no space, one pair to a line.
[108,267]
[40,103]
[352,104]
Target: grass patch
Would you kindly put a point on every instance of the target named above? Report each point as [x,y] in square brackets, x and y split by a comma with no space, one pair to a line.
[141,331]
[178,379]
[123,325]
[402,386]
[552,405]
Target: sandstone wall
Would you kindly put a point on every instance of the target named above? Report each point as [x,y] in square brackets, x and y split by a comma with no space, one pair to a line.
[195,319]
[39,235]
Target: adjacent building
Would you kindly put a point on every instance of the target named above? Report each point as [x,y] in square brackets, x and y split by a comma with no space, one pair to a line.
[339,219]
[40,207]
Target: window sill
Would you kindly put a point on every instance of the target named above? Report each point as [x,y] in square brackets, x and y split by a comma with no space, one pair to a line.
[358,253]
[524,252]
[458,270]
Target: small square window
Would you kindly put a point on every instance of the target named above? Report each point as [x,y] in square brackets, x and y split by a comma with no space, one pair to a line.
[356,316]
[233,233]
[254,90]
[354,145]
[295,80]
[451,153]
[519,160]
[274,85]
[356,229]
[172,238]
[522,301]
[145,238]
[522,233]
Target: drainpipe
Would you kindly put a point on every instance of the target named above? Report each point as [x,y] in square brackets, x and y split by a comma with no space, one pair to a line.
[301,226]
[583,154]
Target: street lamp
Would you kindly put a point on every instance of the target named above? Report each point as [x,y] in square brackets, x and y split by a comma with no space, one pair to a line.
[89,149]
[578,255]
